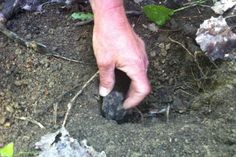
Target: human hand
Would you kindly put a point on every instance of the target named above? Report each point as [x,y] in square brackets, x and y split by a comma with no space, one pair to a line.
[116,45]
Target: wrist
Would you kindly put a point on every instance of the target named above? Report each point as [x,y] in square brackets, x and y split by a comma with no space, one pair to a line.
[109,12]
[105,5]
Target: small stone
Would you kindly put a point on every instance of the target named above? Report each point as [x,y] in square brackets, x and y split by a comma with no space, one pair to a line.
[7,124]
[10,109]
[2,119]
[112,106]
[15,105]
[2,94]
[170,82]
[51,84]
[18,51]
[153,27]
[28,36]
[156,65]
[51,31]
[163,61]
[21,82]
[144,26]
[45,62]
[168,46]
[163,52]
[8,72]
[153,53]
[162,45]
[54,48]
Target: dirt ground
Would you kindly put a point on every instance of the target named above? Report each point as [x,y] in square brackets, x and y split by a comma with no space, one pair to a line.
[201,94]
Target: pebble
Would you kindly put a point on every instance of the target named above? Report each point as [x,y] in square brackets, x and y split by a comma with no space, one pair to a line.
[112,106]
[168,46]
[51,84]
[15,105]
[51,31]
[9,108]
[163,61]
[28,37]
[21,82]
[54,48]
[162,45]
[170,82]
[156,65]
[18,51]
[153,53]
[7,124]
[163,52]
[45,62]
[153,27]
[2,119]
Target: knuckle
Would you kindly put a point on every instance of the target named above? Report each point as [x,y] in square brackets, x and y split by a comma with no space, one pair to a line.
[107,84]
[103,64]
[146,90]
[106,80]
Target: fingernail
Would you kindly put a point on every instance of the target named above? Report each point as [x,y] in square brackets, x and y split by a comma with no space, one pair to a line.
[103,91]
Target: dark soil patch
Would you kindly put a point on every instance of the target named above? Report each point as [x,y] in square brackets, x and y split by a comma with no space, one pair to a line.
[202,120]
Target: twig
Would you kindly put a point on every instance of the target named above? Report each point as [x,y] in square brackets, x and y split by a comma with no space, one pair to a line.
[194,56]
[188,5]
[175,41]
[37,47]
[140,113]
[81,23]
[133,12]
[69,105]
[31,120]
[67,59]
[55,106]
[230,16]
[168,113]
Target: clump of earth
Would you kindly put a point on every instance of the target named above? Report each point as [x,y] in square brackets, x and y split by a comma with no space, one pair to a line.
[200,93]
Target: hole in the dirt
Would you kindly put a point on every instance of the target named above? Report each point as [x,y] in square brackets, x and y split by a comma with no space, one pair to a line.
[112,104]
[133,117]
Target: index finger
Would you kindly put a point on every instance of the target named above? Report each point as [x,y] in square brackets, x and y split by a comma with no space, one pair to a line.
[138,90]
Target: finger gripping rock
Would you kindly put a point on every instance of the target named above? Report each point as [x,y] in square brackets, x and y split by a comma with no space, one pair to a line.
[112,104]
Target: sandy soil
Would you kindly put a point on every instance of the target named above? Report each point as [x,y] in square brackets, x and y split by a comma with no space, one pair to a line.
[202,118]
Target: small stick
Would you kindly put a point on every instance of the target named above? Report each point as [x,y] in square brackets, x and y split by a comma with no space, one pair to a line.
[194,56]
[67,59]
[174,41]
[81,23]
[32,121]
[55,106]
[37,47]
[69,105]
[140,113]
[168,113]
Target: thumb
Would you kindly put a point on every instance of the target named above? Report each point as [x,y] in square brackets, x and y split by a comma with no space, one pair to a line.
[107,79]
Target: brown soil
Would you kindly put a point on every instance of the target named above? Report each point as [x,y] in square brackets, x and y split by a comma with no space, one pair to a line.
[202,118]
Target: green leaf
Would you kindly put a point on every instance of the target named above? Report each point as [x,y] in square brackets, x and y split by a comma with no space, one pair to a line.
[7,150]
[158,14]
[82,16]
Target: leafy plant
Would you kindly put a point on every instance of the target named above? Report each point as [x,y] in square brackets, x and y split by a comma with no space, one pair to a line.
[158,14]
[7,150]
[161,14]
[82,16]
